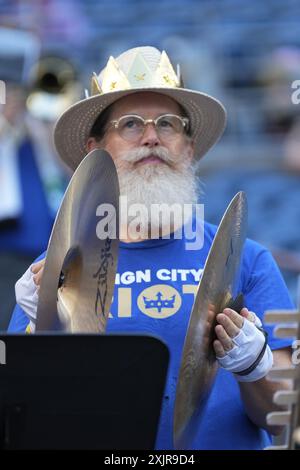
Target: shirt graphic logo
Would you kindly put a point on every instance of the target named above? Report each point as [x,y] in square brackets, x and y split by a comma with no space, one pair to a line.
[159,301]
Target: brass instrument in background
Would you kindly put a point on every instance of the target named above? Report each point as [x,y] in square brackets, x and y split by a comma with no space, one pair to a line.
[54,87]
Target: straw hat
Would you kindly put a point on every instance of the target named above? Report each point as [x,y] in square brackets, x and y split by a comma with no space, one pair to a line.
[136,70]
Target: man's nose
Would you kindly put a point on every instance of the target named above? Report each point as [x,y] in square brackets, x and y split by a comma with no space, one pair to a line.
[150,137]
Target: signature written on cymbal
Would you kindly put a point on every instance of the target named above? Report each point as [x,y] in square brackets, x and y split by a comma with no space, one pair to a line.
[102,276]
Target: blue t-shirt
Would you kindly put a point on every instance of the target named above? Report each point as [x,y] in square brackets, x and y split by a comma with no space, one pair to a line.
[155,287]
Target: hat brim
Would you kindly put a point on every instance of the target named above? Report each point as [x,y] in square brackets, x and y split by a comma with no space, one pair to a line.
[207,120]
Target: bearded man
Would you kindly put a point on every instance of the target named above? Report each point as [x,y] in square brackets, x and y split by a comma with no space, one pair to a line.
[156,130]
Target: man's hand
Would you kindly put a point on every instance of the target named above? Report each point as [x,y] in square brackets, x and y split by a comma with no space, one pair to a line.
[27,288]
[241,345]
[229,326]
[37,269]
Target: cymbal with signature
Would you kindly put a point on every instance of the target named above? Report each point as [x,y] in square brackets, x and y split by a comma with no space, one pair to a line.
[216,289]
[79,273]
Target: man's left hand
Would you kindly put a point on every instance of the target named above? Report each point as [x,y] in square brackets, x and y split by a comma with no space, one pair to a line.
[240,343]
[229,325]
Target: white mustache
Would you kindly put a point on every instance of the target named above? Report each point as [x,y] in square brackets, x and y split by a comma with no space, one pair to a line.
[134,156]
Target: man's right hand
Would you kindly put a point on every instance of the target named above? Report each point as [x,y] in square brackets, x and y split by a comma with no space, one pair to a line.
[27,288]
[38,269]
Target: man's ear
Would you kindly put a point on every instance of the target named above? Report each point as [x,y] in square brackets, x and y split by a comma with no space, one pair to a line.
[191,150]
[92,144]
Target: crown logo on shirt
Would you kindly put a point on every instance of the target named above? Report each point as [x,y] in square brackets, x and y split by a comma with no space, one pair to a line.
[159,303]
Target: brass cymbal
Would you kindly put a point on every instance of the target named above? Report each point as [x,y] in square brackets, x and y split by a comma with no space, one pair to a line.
[79,274]
[216,288]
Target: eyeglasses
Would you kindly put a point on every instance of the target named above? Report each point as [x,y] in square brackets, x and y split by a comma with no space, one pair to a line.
[132,127]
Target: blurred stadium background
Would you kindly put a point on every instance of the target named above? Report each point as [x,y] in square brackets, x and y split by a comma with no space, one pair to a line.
[247,54]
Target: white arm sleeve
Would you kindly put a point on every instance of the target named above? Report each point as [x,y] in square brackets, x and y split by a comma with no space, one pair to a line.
[27,296]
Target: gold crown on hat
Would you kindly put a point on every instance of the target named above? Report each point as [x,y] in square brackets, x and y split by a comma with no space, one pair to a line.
[140,75]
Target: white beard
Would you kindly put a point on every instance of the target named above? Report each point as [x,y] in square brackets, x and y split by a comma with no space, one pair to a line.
[148,184]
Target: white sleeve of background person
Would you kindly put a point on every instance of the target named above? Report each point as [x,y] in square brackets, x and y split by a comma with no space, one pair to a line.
[247,346]
[27,296]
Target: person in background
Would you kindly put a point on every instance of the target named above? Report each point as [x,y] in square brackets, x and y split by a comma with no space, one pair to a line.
[32,179]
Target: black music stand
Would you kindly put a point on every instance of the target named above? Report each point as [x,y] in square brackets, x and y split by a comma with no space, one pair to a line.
[81,391]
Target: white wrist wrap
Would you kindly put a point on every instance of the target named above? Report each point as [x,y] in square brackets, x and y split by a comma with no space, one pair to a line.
[27,296]
[249,345]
